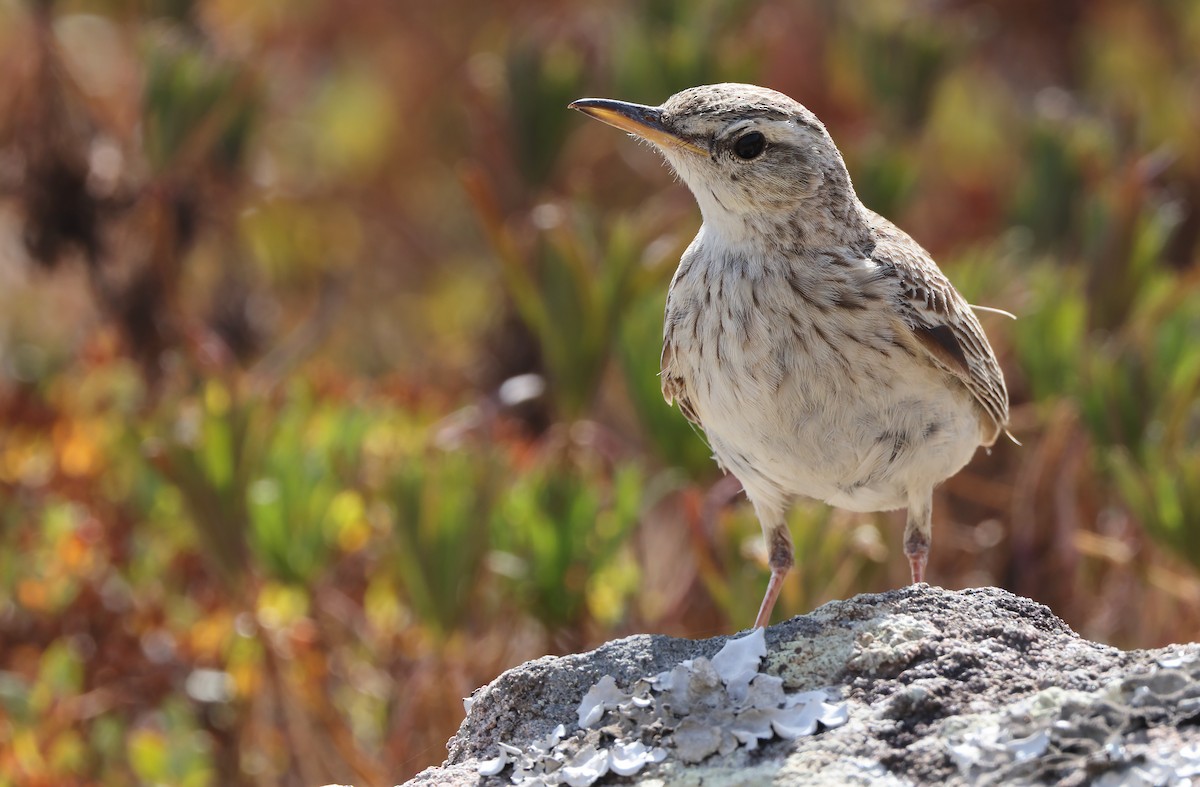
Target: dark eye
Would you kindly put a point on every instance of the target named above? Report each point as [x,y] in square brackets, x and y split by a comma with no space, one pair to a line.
[749,146]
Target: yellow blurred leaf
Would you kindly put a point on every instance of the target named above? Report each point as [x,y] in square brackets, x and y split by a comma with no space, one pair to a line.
[969,131]
[354,120]
[28,755]
[381,606]
[68,753]
[280,606]
[347,512]
[216,398]
[148,755]
[354,535]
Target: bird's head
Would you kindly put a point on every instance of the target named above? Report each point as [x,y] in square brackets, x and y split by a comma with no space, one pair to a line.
[748,154]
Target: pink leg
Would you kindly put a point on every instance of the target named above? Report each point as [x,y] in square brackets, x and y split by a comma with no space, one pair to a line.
[917,562]
[918,533]
[779,539]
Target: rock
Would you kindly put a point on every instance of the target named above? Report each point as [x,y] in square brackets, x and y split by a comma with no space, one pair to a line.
[920,685]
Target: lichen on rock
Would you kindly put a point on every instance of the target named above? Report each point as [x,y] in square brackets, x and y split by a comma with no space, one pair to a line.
[918,685]
[698,708]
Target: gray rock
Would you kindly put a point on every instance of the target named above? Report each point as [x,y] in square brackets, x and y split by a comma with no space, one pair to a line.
[970,687]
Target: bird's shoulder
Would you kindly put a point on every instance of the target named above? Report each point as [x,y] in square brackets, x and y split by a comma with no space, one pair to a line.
[939,322]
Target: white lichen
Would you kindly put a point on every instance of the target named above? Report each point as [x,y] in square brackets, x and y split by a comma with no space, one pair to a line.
[698,708]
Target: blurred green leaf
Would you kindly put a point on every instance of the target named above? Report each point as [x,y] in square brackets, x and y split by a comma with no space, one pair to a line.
[1047,201]
[60,676]
[560,523]
[310,458]
[666,46]
[14,696]
[902,55]
[353,119]
[442,502]
[149,756]
[884,176]
[571,293]
[1051,333]
[542,80]
[196,109]
[173,751]
[204,460]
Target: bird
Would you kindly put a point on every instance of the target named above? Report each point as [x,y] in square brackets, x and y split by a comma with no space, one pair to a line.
[819,347]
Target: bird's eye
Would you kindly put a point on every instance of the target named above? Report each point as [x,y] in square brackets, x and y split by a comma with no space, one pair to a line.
[749,146]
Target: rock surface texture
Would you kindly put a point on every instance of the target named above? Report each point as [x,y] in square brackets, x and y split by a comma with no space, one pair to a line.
[921,685]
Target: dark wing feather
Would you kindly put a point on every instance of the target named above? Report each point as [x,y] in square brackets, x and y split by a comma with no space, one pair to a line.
[942,323]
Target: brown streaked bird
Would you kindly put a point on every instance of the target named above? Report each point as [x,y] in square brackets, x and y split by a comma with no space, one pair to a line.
[820,348]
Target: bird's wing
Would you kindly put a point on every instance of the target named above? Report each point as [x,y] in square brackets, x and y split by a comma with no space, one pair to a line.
[942,324]
[674,386]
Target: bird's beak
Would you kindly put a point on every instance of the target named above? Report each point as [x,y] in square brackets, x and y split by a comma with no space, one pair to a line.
[637,119]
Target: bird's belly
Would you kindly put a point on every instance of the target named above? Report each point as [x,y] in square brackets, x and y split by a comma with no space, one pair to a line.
[862,436]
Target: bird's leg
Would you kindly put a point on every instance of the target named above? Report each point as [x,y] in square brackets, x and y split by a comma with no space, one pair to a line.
[918,534]
[779,544]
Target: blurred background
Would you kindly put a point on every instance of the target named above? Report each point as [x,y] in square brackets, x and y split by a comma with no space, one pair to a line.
[329,348]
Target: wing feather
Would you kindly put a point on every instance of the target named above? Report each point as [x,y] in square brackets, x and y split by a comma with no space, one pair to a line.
[674,386]
[942,324]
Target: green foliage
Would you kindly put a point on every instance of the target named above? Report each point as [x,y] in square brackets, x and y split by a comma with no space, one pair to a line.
[60,675]
[541,81]
[172,751]
[1047,201]
[441,505]
[300,500]
[196,109]
[267,486]
[884,176]
[1051,332]
[561,521]
[205,459]
[1127,233]
[665,46]
[572,294]
[1138,392]
[1163,491]
[352,123]
[1143,406]
[902,55]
